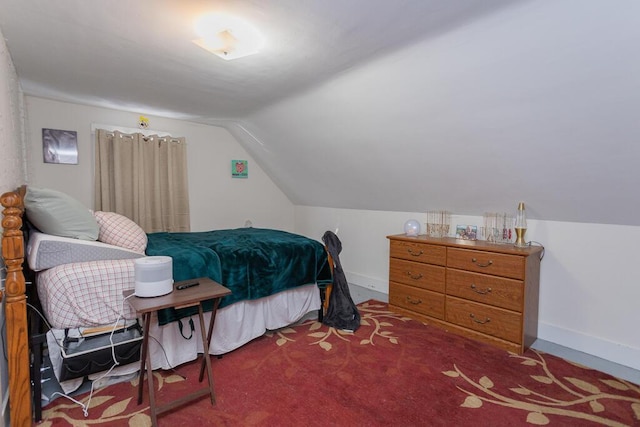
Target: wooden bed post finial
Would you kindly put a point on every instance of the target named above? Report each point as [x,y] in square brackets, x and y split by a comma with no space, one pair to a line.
[16,310]
[13,243]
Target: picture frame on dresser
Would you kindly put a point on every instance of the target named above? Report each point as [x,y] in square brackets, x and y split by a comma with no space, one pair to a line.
[467,232]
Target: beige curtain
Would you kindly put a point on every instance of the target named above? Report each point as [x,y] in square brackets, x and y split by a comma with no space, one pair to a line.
[144,179]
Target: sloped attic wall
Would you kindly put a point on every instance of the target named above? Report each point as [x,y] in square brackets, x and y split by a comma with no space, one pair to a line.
[537,102]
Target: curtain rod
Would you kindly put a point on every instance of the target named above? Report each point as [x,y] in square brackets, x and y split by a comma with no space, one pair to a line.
[146,138]
[112,128]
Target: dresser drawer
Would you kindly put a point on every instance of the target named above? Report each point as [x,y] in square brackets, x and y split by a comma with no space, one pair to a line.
[486,319]
[419,252]
[418,300]
[425,276]
[486,262]
[498,291]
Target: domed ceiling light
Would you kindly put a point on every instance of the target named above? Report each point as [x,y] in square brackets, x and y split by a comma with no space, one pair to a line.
[227,36]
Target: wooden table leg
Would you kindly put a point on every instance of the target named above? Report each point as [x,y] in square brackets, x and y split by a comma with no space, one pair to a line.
[145,359]
[205,350]
[212,321]
[152,399]
[143,356]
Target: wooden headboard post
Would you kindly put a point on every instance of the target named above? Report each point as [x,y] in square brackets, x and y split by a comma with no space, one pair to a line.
[16,310]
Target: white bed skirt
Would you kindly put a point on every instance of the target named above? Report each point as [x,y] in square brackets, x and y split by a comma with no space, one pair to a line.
[235,325]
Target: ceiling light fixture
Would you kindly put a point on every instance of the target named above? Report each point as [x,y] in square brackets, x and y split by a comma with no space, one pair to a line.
[227,36]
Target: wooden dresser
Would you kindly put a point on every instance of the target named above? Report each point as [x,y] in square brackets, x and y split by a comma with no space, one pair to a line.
[481,290]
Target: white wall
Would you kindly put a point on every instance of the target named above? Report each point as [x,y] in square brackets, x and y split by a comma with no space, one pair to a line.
[216,200]
[12,157]
[589,286]
[12,174]
[537,102]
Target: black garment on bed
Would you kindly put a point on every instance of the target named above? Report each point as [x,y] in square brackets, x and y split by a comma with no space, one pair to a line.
[342,313]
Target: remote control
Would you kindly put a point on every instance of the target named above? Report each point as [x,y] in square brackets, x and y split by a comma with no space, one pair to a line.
[186,285]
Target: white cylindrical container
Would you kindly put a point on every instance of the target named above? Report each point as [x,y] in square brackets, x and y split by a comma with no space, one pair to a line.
[154,276]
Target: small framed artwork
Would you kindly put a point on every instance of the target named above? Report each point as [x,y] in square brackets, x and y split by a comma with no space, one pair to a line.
[467,232]
[239,169]
[60,146]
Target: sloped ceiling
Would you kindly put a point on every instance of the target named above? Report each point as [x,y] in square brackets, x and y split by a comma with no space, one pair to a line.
[139,54]
[469,106]
[539,103]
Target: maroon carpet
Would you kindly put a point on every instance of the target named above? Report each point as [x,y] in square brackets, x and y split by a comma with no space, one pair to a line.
[392,372]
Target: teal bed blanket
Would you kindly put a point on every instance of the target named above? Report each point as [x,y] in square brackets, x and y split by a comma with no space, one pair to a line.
[251,262]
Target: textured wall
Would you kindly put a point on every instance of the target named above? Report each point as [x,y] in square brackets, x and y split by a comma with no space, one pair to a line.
[12,170]
[12,160]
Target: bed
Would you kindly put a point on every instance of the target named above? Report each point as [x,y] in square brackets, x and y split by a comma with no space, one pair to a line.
[274,277]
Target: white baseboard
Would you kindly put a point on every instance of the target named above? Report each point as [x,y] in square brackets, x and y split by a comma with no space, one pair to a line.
[368,282]
[594,346]
[611,351]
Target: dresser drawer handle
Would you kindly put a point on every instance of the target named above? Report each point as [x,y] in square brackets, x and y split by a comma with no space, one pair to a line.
[482,322]
[475,261]
[414,253]
[414,301]
[414,276]
[480,291]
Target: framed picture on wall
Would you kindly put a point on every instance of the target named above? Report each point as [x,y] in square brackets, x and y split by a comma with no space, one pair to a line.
[239,169]
[60,146]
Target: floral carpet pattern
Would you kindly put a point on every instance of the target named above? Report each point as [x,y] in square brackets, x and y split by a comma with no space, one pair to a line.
[537,404]
[391,371]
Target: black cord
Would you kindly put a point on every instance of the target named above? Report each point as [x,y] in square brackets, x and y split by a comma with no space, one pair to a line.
[44,319]
[171,368]
[190,326]
[4,346]
[531,243]
[4,318]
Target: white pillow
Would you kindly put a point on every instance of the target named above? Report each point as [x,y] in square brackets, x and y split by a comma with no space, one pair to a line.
[118,230]
[56,213]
